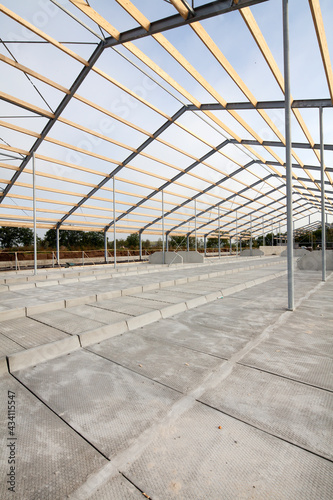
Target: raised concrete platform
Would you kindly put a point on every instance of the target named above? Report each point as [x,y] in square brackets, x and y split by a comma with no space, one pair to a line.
[230,396]
[313,260]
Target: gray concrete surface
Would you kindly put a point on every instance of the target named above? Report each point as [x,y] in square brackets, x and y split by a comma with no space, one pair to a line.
[313,261]
[230,399]
[191,256]
[165,258]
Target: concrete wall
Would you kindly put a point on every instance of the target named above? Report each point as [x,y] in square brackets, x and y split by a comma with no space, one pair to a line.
[255,252]
[170,258]
[191,257]
[312,261]
[298,252]
[269,250]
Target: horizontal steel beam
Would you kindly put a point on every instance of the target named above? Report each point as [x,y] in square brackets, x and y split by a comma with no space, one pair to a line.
[200,13]
[278,144]
[299,103]
[296,165]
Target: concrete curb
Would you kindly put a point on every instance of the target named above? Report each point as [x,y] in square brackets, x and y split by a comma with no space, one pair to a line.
[196,302]
[143,319]
[77,301]
[18,312]
[35,355]
[45,307]
[168,311]
[103,333]
[51,306]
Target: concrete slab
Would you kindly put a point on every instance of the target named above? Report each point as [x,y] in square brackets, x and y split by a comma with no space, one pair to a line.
[91,311]
[215,456]
[292,363]
[123,402]
[8,346]
[312,339]
[194,337]
[45,448]
[175,366]
[131,306]
[29,333]
[165,295]
[284,408]
[66,322]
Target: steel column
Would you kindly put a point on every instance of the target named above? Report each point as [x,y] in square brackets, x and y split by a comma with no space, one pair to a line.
[322,178]
[230,246]
[140,245]
[272,236]
[219,239]
[236,234]
[289,185]
[195,225]
[34,210]
[114,223]
[163,241]
[58,249]
[188,242]
[205,245]
[166,242]
[105,247]
[251,252]
[263,232]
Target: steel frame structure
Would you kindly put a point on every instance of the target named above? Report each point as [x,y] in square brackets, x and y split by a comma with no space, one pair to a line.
[239,190]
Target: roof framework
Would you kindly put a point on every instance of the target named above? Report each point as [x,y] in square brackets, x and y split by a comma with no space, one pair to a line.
[141,110]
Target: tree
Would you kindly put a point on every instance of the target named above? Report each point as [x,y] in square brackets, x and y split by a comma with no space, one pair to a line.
[133,241]
[16,236]
[177,242]
[74,240]
[212,242]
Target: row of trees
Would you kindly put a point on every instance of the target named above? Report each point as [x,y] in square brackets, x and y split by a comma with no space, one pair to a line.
[13,237]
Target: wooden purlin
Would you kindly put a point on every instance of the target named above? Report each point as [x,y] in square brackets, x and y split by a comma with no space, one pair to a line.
[269,58]
[52,160]
[43,35]
[25,105]
[96,17]
[322,41]
[182,9]
[81,2]
[87,130]
[30,72]
[216,52]
[127,5]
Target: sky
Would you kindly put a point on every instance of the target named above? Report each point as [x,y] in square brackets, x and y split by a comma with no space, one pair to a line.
[132,185]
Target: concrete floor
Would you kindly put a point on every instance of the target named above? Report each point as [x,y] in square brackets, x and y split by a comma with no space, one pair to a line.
[182,382]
